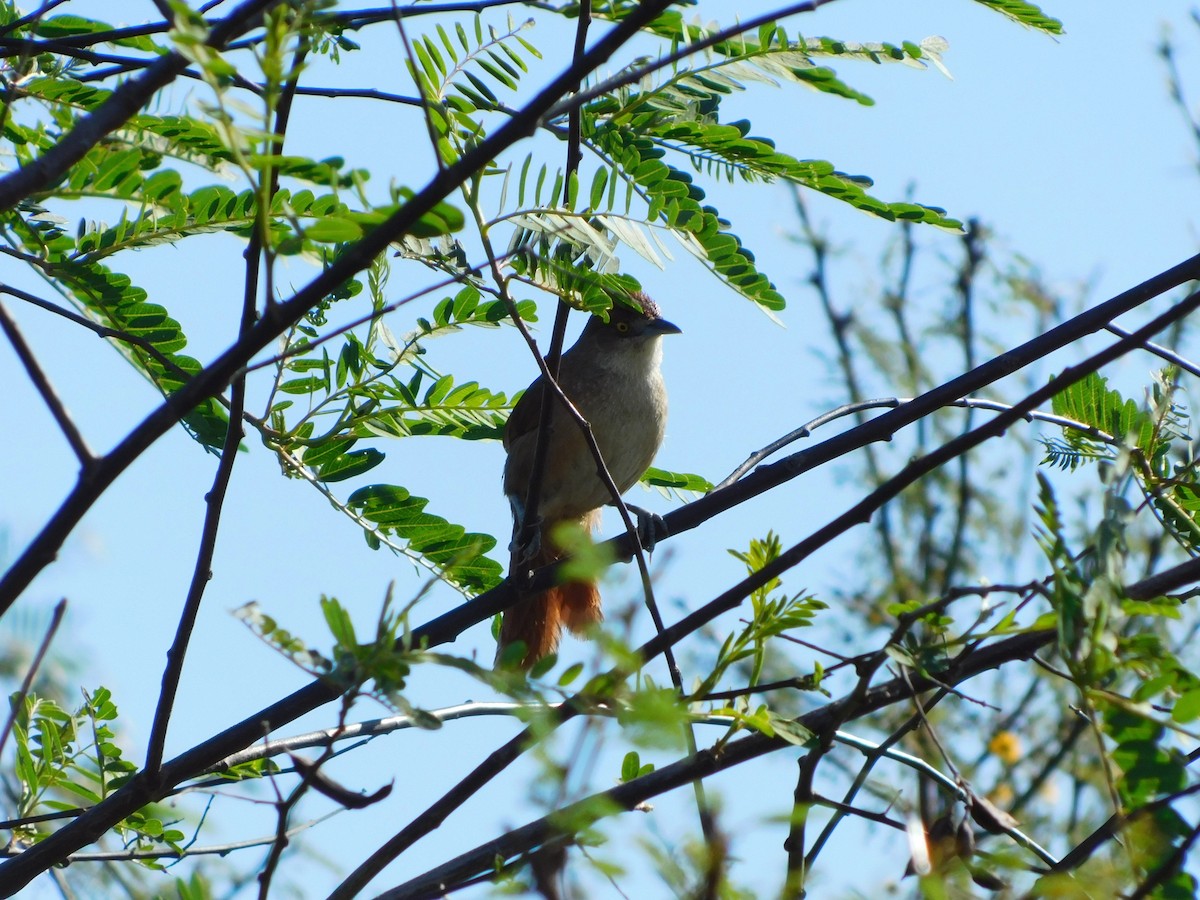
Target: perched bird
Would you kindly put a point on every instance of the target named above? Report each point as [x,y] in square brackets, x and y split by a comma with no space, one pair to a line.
[611,375]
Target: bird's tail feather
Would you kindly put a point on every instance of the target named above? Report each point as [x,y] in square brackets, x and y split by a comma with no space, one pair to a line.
[538,619]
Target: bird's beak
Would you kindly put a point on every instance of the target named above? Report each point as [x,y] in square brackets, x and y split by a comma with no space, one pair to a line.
[662,326]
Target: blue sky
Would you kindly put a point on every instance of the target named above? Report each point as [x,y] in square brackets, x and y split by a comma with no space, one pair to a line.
[1067,148]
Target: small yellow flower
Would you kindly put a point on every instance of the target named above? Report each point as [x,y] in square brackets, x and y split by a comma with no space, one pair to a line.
[1006,747]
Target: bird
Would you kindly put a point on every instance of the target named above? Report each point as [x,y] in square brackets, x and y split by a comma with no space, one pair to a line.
[612,376]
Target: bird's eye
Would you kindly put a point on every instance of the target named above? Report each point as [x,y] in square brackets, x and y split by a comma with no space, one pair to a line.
[623,327]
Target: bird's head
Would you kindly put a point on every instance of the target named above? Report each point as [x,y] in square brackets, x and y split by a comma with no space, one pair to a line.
[625,322]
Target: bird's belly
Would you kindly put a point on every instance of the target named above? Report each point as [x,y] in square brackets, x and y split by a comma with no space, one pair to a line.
[628,431]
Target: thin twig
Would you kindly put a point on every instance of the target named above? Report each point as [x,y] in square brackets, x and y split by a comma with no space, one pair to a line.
[854,409]
[1158,350]
[103,331]
[17,701]
[256,249]
[167,853]
[201,574]
[284,807]
[482,859]
[40,380]
[839,326]
[426,103]
[973,256]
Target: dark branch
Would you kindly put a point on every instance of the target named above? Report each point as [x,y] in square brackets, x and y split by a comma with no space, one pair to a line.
[40,380]
[882,428]
[114,112]
[627,796]
[16,873]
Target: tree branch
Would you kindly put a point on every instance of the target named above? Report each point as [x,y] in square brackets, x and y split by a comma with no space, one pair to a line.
[626,796]
[126,100]
[16,873]
[215,377]
[49,397]
[449,625]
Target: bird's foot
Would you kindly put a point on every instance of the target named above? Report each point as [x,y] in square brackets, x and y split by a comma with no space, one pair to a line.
[523,553]
[651,527]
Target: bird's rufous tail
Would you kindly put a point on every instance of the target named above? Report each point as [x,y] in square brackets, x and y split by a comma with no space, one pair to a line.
[538,619]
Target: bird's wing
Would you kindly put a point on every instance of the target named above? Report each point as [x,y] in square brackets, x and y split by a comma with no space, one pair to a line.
[524,417]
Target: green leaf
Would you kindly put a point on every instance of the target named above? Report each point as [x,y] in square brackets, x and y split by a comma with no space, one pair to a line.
[654,717]
[677,204]
[1026,13]
[442,219]
[1187,707]
[631,766]
[350,465]
[340,624]
[543,665]
[68,25]
[459,554]
[789,729]
[333,230]
[570,675]
[599,183]
[676,481]
[308,385]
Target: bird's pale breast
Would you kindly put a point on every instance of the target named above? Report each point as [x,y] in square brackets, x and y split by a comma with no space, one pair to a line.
[624,401]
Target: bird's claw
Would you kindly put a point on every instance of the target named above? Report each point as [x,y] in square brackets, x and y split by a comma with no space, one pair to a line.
[529,549]
[523,551]
[651,527]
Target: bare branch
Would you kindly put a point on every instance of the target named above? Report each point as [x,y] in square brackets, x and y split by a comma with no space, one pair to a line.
[42,382]
[1160,351]
[628,795]
[215,498]
[849,409]
[165,853]
[16,702]
[96,328]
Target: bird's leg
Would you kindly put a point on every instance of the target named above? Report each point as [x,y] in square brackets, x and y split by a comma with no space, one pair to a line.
[522,553]
[650,527]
